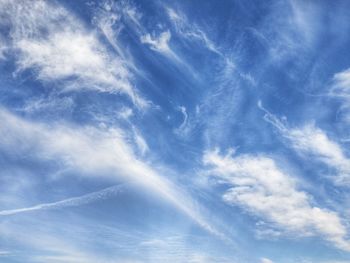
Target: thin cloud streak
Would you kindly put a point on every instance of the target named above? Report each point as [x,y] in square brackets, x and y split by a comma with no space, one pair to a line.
[95,152]
[70,202]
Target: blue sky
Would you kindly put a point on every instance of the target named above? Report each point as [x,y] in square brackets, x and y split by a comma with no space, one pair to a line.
[174,131]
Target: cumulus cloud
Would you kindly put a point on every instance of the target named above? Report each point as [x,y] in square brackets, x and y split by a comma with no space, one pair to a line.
[56,45]
[311,140]
[259,186]
[93,152]
[266,260]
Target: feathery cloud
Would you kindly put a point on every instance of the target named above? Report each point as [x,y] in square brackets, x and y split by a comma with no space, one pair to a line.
[56,46]
[259,186]
[159,43]
[69,202]
[315,142]
[94,152]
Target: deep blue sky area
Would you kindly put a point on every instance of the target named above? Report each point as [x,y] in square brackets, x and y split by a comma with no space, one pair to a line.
[136,131]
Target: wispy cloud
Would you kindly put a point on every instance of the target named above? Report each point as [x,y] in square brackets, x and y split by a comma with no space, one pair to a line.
[49,246]
[69,202]
[259,186]
[3,48]
[140,142]
[183,128]
[190,31]
[341,84]
[313,141]
[159,43]
[94,152]
[55,44]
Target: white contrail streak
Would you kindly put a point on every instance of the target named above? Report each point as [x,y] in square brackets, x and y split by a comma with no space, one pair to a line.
[74,201]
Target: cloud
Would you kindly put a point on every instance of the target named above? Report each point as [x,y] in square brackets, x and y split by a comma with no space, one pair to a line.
[159,43]
[56,45]
[112,18]
[190,31]
[74,201]
[341,84]
[313,141]
[101,152]
[3,48]
[141,143]
[266,260]
[259,186]
[184,127]
[125,113]
[52,246]
[289,28]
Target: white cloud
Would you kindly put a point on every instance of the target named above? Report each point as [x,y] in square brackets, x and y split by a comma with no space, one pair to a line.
[56,45]
[93,152]
[315,142]
[125,113]
[3,48]
[306,17]
[341,84]
[158,43]
[47,104]
[161,43]
[259,186]
[266,260]
[53,247]
[140,142]
[340,88]
[112,17]
[192,32]
[184,127]
[74,201]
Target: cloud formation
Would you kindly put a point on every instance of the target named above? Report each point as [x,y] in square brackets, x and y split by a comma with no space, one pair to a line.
[57,46]
[311,140]
[259,186]
[93,152]
[69,202]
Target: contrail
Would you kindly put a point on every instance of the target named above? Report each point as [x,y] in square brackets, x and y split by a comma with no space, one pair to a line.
[74,201]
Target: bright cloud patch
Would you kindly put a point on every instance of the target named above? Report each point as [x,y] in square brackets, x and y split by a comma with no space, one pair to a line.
[342,83]
[313,141]
[58,47]
[260,187]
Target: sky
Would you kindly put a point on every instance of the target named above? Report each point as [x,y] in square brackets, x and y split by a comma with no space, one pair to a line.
[141,131]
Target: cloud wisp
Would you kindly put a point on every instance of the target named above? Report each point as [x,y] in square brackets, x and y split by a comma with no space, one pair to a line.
[54,44]
[315,142]
[93,152]
[193,32]
[69,202]
[257,185]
